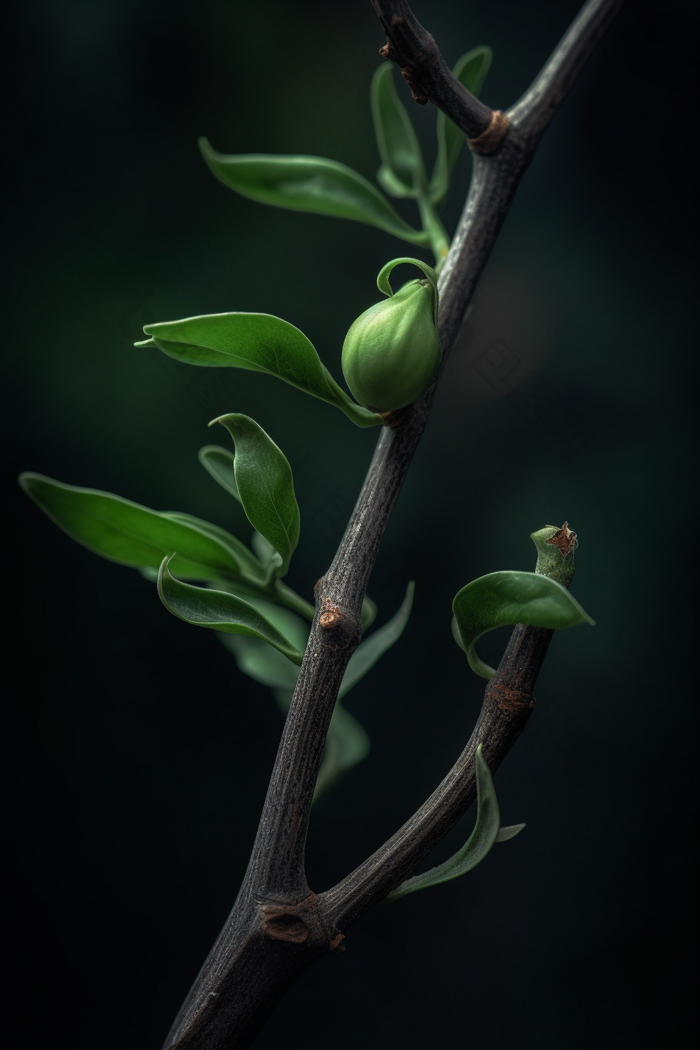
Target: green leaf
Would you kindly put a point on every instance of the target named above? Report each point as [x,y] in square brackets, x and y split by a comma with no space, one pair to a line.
[371,649]
[243,556]
[220,611]
[504,598]
[402,173]
[311,184]
[133,535]
[369,612]
[257,343]
[470,70]
[258,660]
[219,462]
[486,832]
[265,483]
[347,744]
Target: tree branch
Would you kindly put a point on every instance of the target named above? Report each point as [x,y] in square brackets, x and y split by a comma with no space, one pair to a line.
[278,927]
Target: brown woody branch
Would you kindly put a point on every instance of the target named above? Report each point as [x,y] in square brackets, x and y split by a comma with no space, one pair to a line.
[278,926]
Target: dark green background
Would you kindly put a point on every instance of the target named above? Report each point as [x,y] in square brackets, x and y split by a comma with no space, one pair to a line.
[140,753]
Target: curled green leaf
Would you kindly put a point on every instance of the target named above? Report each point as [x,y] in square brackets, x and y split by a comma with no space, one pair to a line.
[470,70]
[265,485]
[504,598]
[257,343]
[311,184]
[384,285]
[137,536]
[220,611]
[402,173]
[486,832]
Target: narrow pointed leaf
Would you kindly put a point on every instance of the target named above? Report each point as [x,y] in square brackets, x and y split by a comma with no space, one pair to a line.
[478,845]
[257,343]
[265,484]
[470,70]
[219,463]
[402,173]
[310,184]
[504,598]
[371,649]
[220,611]
[510,832]
[133,535]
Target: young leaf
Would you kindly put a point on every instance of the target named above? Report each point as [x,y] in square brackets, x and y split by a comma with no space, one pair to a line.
[220,611]
[265,484]
[486,832]
[133,535]
[402,173]
[470,70]
[219,462]
[258,343]
[311,184]
[504,598]
[371,649]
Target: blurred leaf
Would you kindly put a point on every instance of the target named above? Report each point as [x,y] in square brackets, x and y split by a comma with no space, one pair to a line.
[311,184]
[219,462]
[371,649]
[479,843]
[257,343]
[258,660]
[504,598]
[369,612]
[133,535]
[402,173]
[347,744]
[265,483]
[470,70]
[220,611]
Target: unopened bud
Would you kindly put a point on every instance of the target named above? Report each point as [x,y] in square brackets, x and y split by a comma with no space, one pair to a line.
[392,351]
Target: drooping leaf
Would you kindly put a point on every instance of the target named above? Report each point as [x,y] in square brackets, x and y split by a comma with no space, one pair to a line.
[470,70]
[504,598]
[265,484]
[257,343]
[311,184]
[220,611]
[486,832]
[133,535]
[402,173]
[218,462]
[371,649]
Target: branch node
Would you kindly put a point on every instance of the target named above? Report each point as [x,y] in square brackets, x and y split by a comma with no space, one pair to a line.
[490,139]
[331,615]
[417,91]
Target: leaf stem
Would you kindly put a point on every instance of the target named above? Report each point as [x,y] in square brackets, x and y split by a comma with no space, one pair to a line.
[284,595]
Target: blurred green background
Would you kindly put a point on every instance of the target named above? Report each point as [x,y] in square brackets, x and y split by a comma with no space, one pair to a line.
[140,754]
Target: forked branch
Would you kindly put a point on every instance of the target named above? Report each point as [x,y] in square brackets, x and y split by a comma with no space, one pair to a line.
[278,926]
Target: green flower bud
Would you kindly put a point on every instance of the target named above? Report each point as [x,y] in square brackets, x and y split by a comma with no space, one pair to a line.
[392,351]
